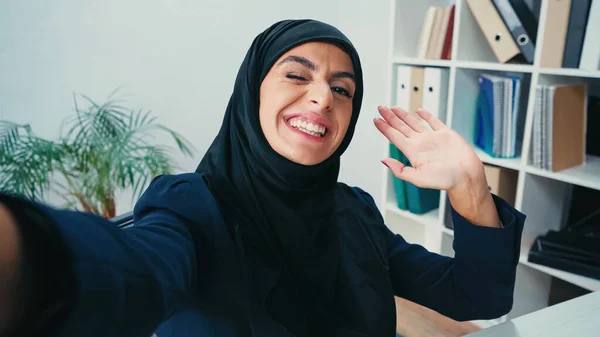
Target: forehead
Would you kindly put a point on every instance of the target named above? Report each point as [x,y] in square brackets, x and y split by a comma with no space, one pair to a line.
[323,54]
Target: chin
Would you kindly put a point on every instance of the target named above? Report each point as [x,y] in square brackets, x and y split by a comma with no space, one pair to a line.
[306,159]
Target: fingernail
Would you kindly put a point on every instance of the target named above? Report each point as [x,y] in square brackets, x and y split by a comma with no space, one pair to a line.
[386,165]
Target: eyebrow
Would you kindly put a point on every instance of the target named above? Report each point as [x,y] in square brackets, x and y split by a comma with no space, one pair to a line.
[313,67]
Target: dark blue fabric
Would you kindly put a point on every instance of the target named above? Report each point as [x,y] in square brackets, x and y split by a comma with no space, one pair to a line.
[179,272]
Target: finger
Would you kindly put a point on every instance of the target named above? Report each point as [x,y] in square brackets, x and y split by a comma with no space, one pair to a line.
[413,121]
[406,173]
[395,122]
[395,136]
[435,123]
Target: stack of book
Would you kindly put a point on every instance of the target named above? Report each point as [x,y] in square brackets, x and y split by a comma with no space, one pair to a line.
[497,114]
[575,249]
[559,126]
[435,39]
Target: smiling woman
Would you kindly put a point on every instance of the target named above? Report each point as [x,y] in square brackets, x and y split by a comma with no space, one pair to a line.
[263,240]
[306,102]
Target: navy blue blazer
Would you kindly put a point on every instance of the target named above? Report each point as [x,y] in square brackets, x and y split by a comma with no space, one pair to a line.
[180,273]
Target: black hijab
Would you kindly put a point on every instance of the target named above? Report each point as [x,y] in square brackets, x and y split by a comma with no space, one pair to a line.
[286,211]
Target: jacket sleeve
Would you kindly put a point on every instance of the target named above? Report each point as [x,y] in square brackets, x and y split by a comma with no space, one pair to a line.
[127,281]
[478,283]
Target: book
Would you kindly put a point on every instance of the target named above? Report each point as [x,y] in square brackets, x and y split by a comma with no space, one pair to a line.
[498,114]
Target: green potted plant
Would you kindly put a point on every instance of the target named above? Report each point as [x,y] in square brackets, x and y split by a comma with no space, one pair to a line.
[105,148]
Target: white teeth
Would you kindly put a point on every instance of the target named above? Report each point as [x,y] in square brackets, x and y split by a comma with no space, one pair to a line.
[309,128]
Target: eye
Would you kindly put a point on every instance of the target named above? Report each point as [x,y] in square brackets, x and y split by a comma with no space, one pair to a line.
[341,91]
[295,77]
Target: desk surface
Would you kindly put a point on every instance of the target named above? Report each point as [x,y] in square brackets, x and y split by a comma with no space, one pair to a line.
[579,317]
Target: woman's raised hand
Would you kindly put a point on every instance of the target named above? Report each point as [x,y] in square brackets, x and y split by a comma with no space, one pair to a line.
[440,157]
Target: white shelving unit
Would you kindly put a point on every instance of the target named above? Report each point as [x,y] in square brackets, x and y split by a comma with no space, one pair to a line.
[542,195]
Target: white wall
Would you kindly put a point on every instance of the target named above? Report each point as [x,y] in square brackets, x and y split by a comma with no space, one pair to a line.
[178,58]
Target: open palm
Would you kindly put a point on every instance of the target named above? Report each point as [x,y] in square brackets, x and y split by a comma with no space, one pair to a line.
[440,157]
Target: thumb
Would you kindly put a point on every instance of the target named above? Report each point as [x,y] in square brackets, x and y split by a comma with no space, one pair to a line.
[401,171]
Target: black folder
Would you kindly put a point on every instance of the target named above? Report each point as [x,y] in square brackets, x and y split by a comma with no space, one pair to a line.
[520,23]
[575,249]
[578,18]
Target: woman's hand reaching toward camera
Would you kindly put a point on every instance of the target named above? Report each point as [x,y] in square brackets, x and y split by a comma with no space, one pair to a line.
[10,257]
[440,159]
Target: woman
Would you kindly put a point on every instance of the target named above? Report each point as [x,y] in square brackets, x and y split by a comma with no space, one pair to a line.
[262,240]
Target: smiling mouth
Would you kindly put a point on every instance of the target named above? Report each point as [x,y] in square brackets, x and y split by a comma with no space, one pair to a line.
[302,125]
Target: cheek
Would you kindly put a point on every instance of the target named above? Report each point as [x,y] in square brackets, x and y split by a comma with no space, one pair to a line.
[267,112]
[343,121]
[268,125]
[274,100]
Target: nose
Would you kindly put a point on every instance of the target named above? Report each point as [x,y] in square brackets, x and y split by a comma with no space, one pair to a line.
[321,95]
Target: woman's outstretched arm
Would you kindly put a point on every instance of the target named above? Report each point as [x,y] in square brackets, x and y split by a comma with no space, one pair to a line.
[108,281]
[10,272]
[478,282]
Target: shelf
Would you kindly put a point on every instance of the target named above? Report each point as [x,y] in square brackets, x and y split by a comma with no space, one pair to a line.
[510,67]
[421,62]
[448,231]
[511,163]
[570,72]
[429,218]
[544,196]
[587,175]
[581,281]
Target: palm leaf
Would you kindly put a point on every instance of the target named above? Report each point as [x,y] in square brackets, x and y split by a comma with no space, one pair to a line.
[98,123]
[103,148]
[27,161]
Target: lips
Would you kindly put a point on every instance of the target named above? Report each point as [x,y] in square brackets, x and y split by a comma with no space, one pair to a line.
[310,117]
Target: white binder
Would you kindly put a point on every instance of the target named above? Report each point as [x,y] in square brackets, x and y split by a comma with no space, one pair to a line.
[403,80]
[435,91]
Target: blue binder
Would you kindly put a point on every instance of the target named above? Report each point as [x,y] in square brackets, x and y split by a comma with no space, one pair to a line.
[484,132]
[399,184]
[421,200]
[497,114]
[410,197]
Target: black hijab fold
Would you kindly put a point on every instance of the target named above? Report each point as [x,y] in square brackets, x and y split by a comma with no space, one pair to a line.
[286,211]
